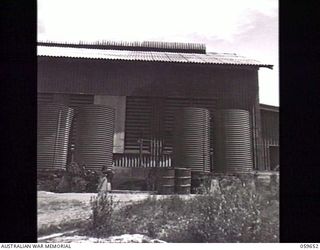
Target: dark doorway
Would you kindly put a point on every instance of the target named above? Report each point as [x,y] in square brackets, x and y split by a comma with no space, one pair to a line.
[274,157]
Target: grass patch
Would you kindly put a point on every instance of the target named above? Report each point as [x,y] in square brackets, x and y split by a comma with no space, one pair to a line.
[235,215]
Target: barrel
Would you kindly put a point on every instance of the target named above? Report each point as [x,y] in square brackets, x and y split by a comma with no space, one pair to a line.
[232,140]
[182,180]
[166,181]
[191,144]
[53,130]
[94,128]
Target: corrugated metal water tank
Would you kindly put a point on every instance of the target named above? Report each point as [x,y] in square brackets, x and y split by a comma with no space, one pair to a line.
[191,146]
[232,141]
[54,123]
[94,129]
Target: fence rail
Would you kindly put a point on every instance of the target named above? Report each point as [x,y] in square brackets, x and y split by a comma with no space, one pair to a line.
[136,160]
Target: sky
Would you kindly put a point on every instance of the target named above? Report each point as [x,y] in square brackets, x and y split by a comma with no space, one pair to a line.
[246,27]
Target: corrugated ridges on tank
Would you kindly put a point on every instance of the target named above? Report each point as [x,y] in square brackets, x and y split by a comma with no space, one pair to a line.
[54,123]
[94,131]
[232,140]
[191,146]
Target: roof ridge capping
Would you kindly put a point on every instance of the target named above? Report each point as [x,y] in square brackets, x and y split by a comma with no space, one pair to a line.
[134,45]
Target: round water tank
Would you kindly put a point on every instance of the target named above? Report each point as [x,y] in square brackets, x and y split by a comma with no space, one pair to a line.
[191,146]
[94,128]
[54,123]
[232,141]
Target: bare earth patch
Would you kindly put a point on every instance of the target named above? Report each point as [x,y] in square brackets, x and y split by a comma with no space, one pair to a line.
[125,238]
[58,212]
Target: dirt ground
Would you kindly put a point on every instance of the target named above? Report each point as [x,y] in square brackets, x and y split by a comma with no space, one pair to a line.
[59,212]
[125,238]
[62,212]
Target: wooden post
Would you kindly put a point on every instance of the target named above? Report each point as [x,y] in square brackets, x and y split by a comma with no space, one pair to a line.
[140,151]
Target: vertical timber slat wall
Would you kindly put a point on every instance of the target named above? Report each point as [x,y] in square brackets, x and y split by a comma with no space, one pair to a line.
[270,135]
[138,123]
[152,119]
[256,128]
[233,87]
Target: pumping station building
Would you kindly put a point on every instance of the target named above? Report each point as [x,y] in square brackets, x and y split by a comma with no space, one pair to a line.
[140,107]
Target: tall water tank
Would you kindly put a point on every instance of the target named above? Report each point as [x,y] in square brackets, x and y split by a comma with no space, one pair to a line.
[191,146]
[54,123]
[94,127]
[232,141]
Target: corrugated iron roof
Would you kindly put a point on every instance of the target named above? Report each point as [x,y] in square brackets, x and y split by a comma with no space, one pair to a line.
[269,107]
[125,45]
[149,56]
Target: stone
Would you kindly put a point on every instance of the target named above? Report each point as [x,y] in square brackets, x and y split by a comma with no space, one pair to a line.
[214,187]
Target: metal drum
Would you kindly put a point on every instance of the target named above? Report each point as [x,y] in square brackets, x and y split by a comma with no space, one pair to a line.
[54,123]
[94,126]
[182,181]
[232,140]
[191,146]
[166,181]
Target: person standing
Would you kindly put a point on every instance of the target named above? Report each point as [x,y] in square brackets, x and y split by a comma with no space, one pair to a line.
[110,174]
[105,182]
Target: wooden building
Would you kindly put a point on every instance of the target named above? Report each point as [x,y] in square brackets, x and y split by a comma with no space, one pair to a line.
[145,83]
